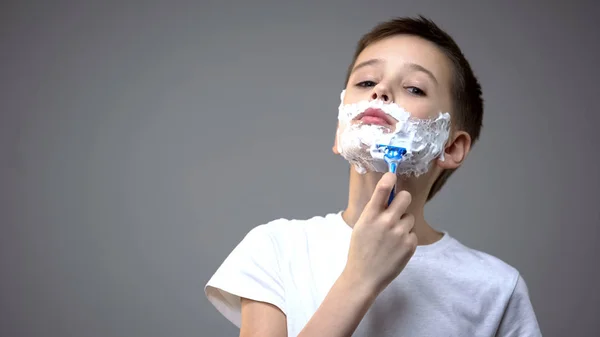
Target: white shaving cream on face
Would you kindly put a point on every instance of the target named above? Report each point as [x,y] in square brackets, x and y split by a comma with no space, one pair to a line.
[423,139]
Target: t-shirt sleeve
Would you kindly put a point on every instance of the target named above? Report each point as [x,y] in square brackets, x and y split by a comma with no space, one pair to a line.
[251,271]
[519,319]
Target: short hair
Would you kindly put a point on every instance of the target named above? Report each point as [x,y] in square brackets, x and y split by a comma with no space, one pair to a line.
[466,90]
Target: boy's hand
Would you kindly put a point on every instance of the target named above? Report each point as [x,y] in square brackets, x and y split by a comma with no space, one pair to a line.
[382,241]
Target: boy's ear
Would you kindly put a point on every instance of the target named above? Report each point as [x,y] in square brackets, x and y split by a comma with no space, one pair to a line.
[456,150]
[335,141]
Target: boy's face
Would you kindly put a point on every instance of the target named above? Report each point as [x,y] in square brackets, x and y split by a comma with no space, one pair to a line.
[409,71]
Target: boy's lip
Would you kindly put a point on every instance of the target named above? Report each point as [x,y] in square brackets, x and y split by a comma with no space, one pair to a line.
[375,116]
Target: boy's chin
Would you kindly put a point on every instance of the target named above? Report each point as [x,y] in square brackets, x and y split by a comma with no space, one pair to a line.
[362,163]
[369,169]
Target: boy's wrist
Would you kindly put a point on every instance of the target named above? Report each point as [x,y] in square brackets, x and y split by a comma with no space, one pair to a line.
[361,288]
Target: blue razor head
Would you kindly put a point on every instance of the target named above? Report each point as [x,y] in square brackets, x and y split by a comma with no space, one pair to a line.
[394,152]
[393,155]
[391,151]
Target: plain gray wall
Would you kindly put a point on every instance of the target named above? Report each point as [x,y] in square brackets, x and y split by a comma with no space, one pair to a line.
[140,141]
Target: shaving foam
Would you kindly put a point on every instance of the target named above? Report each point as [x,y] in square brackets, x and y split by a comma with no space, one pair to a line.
[423,139]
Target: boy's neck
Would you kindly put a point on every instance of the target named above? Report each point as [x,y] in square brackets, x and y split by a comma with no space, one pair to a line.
[361,189]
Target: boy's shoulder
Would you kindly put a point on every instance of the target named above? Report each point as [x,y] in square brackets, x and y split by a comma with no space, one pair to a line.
[297,229]
[477,267]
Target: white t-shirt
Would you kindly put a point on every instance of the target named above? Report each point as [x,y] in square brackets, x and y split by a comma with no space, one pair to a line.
[446,289]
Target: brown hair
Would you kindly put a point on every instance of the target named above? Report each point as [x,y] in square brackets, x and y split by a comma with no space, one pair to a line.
[466,90]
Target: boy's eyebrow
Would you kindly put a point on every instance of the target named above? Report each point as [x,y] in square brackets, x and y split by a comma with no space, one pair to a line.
[418,67]
[366,63]
[412,66]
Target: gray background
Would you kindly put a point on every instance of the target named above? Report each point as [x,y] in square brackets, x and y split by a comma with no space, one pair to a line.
[139,142]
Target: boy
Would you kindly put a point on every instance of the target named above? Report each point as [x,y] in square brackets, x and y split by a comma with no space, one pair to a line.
[378,268]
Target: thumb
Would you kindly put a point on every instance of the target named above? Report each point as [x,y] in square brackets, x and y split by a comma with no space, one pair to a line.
[382,191]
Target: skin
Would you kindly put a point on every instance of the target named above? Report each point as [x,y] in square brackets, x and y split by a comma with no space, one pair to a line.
[415,74]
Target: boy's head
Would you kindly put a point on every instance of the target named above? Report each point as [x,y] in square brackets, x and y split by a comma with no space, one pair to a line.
[415,64]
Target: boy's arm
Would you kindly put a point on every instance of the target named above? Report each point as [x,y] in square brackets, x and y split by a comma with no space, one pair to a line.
[338,315]
[262,319]
[519,319]
[342,309]
[381,245]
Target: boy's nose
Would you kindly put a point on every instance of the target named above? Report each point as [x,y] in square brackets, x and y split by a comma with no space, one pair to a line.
[380,93]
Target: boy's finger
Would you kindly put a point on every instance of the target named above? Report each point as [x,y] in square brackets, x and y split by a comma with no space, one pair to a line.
[400,203]
[384,187]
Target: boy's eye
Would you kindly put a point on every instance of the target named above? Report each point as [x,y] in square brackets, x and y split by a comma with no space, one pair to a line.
[366,84]
[415,91]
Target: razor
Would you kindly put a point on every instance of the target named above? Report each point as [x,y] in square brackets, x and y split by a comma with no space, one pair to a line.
[392,153]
